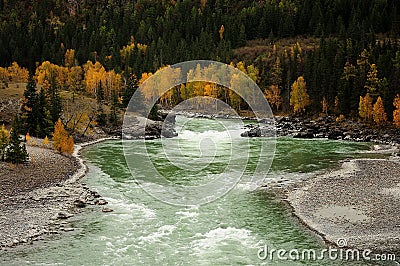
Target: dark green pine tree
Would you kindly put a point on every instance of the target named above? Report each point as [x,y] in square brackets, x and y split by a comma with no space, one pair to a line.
[44,123]
[129,90]
[113,119]
[101,116]
[29,107]
[153,115]
[54,101]
[16,153]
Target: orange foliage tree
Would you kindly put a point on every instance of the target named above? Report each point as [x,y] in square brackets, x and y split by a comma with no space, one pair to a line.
[94,73]
[62,142]
[273,96]
[4,140]
[379,112]
[14,73]
[396,112]
[17,74]
[148,89]
[324,104]
[365,108]
[69,58]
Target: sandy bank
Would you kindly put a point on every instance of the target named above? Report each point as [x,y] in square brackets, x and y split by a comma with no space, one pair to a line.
[359,203]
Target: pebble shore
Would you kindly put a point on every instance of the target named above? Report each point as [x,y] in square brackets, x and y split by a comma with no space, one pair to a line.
[38,197]
[358,205]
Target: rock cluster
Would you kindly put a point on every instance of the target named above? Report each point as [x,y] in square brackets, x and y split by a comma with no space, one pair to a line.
[44,211]
[137,127]
[325,127]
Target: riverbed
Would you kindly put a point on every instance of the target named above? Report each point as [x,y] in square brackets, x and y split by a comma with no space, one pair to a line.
[230,230]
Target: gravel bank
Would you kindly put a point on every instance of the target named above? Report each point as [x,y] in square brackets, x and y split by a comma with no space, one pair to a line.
[37,198]
[359,203]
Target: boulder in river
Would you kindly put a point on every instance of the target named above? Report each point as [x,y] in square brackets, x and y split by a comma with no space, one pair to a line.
[140,127]
[64,215]
[80,203]
[105,209]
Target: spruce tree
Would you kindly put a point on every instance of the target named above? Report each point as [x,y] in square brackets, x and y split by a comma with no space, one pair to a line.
[54,101]
[129,90]
[29,107]
[153,115]
[16,153]
[101,116]
[44,123]
[113,119]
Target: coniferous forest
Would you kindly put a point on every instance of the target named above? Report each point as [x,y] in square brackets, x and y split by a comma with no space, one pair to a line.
[343,55]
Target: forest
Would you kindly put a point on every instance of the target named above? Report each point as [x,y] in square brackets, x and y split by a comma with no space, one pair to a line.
[337,57]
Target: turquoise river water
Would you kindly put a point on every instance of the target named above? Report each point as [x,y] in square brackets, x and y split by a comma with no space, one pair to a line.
[228,231]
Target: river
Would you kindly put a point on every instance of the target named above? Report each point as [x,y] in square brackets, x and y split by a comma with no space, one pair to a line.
[228,231]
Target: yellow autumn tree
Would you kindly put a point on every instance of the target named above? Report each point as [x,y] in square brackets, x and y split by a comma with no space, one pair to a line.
[221,32]
[74,78]
[240,65]
[299,99]
[45,73]
[62,142]
[17,73]
[379,112]
[94,73]
[273,96]
[171,75]
[324,104]
[45,141]
[336,105]
[365,109]
[253,73]
[372,82]
[113,82]
[28,138]
[127,50]
[69,58]
[4,140]
[396,112]
[211,90]
[67,146]
[4,77]
[237,85]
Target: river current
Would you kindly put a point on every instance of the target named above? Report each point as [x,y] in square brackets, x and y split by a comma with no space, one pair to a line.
[230,230]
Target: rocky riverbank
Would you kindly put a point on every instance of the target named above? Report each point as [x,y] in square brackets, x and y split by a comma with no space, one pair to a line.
[326,127]
[38,197]
[358,204]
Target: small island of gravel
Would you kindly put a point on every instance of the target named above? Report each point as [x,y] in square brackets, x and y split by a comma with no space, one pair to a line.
[359,203]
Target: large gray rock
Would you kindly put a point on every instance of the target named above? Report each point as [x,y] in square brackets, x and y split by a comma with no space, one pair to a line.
[136,127]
